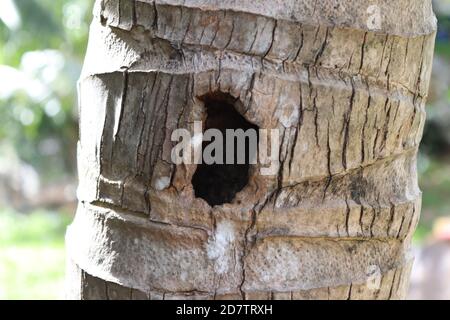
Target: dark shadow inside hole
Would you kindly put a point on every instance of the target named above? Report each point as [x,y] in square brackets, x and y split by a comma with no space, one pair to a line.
[219,183]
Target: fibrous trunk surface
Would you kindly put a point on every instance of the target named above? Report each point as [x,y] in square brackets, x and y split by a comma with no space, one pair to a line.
[345,88]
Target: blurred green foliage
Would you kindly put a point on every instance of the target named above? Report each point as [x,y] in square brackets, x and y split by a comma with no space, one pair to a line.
[32,255]
[434,182]
[42,43]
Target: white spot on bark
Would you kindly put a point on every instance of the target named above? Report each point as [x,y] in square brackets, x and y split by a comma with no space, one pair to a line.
[162,183]
[220,246]
[374,277]
[374,19]
[288,115]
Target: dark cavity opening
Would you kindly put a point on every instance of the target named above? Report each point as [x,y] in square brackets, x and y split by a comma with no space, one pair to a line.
[218,183]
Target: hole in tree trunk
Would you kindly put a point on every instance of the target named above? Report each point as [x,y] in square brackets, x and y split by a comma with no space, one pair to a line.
[218,183]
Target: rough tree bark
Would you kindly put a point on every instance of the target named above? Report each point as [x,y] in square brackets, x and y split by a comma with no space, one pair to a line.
[344,81]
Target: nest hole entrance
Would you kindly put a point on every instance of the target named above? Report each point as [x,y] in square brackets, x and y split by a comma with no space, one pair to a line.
[219,183]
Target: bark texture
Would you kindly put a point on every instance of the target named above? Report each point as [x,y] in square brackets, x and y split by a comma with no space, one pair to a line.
[348,101]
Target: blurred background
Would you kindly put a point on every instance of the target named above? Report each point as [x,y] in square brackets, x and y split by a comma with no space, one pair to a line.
[42,43]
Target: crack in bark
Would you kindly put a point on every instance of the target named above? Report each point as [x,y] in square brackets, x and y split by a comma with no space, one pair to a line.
[347,128]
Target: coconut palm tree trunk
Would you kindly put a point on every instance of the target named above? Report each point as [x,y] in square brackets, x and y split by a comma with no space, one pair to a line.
[344,83]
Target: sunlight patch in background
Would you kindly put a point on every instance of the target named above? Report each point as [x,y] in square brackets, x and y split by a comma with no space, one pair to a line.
[9,14]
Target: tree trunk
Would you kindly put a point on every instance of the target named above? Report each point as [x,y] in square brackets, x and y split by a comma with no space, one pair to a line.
[345,84]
